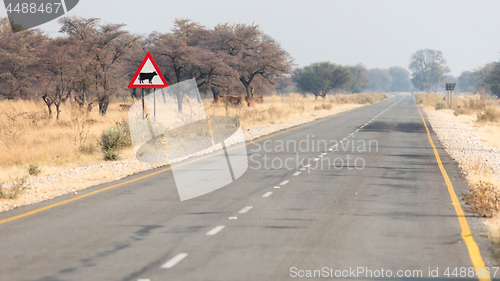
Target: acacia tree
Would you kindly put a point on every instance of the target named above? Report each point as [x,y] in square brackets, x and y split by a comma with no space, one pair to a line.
[428,69]
[466,82]
[105,45]
[283,84]
[58,60]
[321,78]
[400,79]
[493,80]
[359,78]
[186,53]
[379,80]
[481,76]
[251,53]
[19,55]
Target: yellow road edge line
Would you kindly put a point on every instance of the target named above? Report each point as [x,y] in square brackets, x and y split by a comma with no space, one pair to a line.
[475,255]
[164,170]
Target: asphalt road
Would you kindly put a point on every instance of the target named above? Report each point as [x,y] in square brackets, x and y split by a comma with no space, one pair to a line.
[388,208]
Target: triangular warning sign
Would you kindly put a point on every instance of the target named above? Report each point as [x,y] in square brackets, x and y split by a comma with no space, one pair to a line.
[148,75]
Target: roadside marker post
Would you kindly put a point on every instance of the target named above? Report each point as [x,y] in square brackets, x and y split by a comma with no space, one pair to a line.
[449,93]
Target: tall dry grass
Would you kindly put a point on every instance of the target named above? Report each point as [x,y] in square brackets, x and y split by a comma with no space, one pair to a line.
[278,109]
[28,137]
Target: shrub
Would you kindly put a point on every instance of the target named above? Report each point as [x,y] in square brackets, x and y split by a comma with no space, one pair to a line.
[34,169]
[440,105]
[483,199]
[490,114]
[116,137]
[15,191]
[111,155]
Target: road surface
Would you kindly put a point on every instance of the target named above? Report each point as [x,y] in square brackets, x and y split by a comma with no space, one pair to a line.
[388,208]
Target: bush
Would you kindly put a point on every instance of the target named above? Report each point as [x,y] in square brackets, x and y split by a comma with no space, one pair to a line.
[483,199]
[111,155]
[490,114]
[14,192]
[114,139]
[34,169]
[440,105]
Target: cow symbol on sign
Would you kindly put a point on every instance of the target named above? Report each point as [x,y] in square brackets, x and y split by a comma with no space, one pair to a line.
[147,76]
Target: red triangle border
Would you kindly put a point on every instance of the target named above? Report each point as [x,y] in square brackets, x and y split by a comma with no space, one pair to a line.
[150,57]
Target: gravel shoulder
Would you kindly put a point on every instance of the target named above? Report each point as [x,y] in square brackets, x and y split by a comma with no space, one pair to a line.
[72,180]
[464,144]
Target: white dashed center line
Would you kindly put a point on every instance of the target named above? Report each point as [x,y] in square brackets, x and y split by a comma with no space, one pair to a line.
[308,165]
[276,187]
[216,230]
[316,159]
[267,194]
[143,280]
[233,218]
[175,260]
[245,210]
[296,173]
[283,183]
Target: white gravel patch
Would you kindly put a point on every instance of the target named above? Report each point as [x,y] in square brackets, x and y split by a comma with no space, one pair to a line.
[463,143]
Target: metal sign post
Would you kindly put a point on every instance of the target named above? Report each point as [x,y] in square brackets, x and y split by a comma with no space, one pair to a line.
[449,94]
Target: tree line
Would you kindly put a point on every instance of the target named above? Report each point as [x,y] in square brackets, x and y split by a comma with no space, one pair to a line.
[324,77]
[92,61]
[430,73]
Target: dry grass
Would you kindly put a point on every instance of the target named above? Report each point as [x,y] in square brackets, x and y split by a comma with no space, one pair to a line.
[29,138]
[277,109]
[484,107]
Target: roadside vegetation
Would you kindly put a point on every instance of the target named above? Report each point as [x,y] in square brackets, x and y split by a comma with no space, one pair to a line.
[482,112]
[36,145]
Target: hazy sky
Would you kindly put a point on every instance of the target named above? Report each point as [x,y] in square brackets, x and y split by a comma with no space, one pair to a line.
[376,33]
